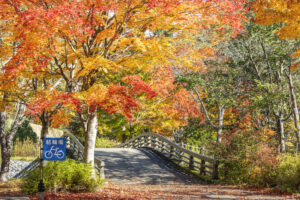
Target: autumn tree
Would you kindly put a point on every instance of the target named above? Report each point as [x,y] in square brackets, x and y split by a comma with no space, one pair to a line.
[261,62]
[99,47]
[9,105]
[286,12]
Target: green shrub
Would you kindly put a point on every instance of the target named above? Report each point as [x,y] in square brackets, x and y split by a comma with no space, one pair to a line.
[69,175]
[104,142]
[288,173]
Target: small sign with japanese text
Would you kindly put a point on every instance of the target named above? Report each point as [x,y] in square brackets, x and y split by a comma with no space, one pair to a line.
[54,149]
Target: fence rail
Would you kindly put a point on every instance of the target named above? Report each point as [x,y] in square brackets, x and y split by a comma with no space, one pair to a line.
[205,164]
[77,149]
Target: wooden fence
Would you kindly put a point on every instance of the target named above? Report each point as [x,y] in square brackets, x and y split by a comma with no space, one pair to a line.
[205,164]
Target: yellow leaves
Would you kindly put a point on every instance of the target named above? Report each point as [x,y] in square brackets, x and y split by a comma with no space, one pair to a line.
[133,42]
[107,33]
[97,64]
[97,93]
[296,54]
[283,11]
[290,31]
[140,45]
[269,132]
[142,53]
[289,144]
[295,66]
[124,42]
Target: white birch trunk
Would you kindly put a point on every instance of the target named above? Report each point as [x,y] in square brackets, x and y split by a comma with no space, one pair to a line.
[90,138]
[295,109]
[220,124]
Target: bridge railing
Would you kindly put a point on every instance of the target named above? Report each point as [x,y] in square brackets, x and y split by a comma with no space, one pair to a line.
[77,149]
[205,164]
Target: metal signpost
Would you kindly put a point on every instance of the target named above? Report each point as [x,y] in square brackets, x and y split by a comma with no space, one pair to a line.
[54,149]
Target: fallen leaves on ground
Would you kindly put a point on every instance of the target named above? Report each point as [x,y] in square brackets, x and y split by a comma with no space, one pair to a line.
[167,192]
[149,192]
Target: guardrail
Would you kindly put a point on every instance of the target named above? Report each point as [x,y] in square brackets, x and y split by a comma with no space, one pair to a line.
[205,164]
[77,149]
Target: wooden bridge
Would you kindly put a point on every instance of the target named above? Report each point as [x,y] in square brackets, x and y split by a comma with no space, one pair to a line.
[148,158]
[148,165]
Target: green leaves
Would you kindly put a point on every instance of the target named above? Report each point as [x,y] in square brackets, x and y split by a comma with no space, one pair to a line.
[69,175]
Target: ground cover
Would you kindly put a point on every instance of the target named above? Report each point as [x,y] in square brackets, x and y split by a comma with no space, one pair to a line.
[163,192]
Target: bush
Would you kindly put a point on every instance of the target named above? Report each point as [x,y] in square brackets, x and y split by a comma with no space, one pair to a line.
[288,173]
[104,142]
[247,157]
[69,175]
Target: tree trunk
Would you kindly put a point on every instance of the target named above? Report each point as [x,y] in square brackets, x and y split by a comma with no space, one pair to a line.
[280,131]
[45,130]
[45,125]
[220,124]
[295,109]
[44,134]
[5,156]
[7,138]
[90,138]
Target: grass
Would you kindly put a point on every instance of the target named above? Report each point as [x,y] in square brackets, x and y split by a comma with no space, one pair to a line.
[27,148]
[23,158]
[104,142]
[25,151]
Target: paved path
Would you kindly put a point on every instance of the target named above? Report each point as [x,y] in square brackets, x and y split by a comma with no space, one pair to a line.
[197,192]
[124,166]
[144,172]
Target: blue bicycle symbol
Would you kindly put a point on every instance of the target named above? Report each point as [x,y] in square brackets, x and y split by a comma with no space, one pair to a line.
[54,151]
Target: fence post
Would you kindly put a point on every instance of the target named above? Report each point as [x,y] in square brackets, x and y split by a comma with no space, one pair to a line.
[162,147]
[142,141]
[148,141]
[171,152]
[156,143]
[80,155]
[101,170]
[191,163]
[151,142]
[137,142]
[68,142]
[72,146]
[202,168]
[215,171]
[76,152]
[179,157]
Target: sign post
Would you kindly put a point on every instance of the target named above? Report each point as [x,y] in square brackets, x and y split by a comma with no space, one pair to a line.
[54,149]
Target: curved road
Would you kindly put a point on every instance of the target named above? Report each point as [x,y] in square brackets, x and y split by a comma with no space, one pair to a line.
[155,178]
[124,166]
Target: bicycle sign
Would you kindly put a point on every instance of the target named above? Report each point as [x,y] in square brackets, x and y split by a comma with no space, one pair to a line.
[54,149]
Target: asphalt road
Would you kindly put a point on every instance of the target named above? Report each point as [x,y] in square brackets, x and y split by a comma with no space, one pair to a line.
[124,166]
[153,177]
